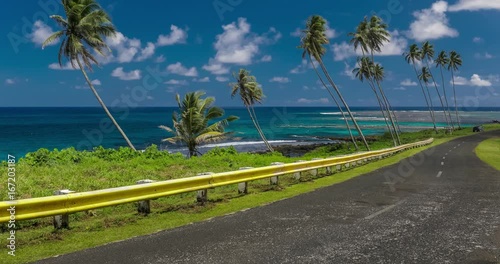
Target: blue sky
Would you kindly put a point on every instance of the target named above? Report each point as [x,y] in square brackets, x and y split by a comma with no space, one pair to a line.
[168,47]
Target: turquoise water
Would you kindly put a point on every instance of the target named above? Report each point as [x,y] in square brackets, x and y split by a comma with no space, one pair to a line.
[24,130]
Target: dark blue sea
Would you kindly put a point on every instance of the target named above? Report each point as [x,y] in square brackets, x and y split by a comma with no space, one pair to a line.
[24,130]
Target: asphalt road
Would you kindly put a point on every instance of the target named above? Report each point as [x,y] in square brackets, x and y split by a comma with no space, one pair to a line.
[442,206]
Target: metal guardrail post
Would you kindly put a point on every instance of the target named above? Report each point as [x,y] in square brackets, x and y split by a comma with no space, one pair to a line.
[275,180]
[143,207]
[243,186]
[298,175]
[61,221]
[202,195]
[314,172]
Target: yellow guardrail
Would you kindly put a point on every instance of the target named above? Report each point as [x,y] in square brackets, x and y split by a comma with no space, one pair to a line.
[77,202]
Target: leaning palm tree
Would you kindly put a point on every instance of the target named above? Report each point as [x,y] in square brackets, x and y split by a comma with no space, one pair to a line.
[312,41]
[248,88]
[454,63]
[428,56]
[365,70]
[425,77]
[441,62]
[191,126]
[83,30]
[370,36]
[412,57]
[378,76]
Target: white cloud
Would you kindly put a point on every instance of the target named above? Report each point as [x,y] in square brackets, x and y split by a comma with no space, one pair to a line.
[160,59]
[394,47]
[266,58]
[474,5]
[302,68]
[485,56]
[126,76]
[221,79]
[431,23]
[147,52]
[313,101]
[348,71]
[238,45]
[408,82]
[202,80]
[9,81]
[124,49]
[400,89]
[179,69]
[176,36]
[297,33]
[215,67]
[176,82]
[477,40]
[280,80]
[475,80]
[96,82]
[65,66]
[40,32]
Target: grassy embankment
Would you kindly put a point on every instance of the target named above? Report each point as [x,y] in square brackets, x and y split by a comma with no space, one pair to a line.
[40,173]
[488,151]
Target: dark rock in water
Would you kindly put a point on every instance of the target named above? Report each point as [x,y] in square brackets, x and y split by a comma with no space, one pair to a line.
[495,122]
[477,129]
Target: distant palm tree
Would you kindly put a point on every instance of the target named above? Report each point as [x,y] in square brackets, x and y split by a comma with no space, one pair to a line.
[365,70]
[312,41]
[425,77]
[250,93]
[441,62]
[370,37]
[412,57]
[83,30]
[428,56]
[191,126]
[454,63]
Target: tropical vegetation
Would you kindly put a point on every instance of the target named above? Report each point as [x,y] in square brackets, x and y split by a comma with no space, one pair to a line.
[191,125]
[312,41]
[83,30]
[250,92]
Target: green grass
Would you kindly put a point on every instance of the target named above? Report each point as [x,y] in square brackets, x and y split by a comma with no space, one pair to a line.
[488,152]
[40,174]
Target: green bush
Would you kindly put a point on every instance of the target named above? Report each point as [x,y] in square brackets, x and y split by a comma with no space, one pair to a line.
[217,152]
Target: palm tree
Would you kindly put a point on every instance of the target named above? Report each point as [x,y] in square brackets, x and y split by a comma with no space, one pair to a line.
[250,93]
[412,57]
[191,126]
[83,29]
[379,75]
[428,55]
[370,37]
[425,77]
[365,70]
[453,65]
[312,42]
[441,62]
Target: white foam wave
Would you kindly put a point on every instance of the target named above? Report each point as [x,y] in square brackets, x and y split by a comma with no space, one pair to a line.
[367,118]
[242,143]
[333,113]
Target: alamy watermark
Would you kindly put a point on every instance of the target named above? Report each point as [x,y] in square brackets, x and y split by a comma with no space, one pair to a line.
[11,193]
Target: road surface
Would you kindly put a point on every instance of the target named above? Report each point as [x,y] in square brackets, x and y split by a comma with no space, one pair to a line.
[442,206]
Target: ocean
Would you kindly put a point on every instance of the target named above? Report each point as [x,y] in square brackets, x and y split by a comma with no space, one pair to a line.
[24,130]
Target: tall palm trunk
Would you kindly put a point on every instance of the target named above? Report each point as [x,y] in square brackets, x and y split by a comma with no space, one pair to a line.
[261,131]
[385,103]
[446,99]
[380,103]
[439,94]
[426,101]
[344,103]
[258,130]
[104,106]
[336,103]
[455,98]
